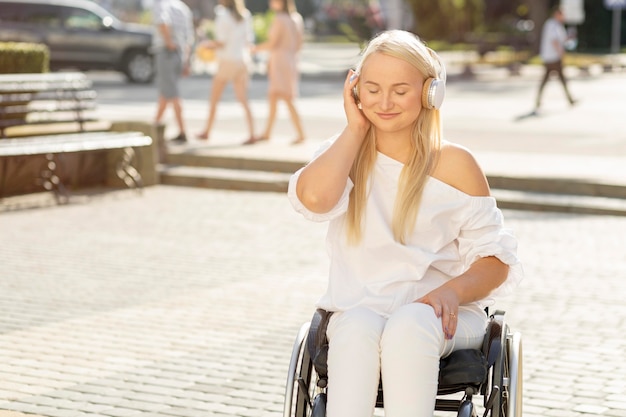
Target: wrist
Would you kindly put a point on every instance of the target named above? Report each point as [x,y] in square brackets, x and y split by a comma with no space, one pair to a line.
[354,134]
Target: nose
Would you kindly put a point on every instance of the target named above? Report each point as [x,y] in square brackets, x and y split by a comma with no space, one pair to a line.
[386,101]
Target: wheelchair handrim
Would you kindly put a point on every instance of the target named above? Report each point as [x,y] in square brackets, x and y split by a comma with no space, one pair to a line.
[293,365]
[515,377]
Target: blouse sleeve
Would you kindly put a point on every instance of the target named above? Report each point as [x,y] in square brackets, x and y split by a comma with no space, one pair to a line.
[483,235]
[340,208]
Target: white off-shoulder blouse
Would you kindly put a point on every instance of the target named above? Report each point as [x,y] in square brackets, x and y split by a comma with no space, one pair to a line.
[453,230]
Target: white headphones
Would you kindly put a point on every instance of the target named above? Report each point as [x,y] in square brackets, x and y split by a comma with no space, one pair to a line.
[434,89]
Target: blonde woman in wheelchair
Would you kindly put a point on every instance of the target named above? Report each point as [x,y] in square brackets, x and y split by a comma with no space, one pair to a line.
[417,245]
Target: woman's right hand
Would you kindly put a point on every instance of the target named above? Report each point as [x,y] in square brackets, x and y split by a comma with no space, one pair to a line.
[357,122]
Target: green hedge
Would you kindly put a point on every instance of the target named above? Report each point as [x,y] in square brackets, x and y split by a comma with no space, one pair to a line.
[20,58]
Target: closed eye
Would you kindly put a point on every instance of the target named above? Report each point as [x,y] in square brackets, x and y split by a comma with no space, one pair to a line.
[400,93]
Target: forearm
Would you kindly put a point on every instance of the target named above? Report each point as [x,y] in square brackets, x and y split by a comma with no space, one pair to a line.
[484,276]
[166,34]
[558,47]
[322,182]
[263,46]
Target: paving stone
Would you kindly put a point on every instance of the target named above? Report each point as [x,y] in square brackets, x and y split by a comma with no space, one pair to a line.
[187,302]
[615,413]
[590,409]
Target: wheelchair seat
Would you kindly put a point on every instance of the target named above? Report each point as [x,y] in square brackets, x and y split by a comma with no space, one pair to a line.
[493,371]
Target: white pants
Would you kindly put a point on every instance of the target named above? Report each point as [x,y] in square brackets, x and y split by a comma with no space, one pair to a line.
[404,350]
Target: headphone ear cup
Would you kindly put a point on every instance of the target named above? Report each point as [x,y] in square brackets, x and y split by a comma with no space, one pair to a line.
[433,92]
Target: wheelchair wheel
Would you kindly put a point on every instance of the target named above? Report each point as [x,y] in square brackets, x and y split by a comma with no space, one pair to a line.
[507,375]
[302,397]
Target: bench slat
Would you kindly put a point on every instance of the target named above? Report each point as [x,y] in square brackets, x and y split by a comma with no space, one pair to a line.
[43,82]
[8,99]
[76,142]
[7,123]
[46,107]
[43,86]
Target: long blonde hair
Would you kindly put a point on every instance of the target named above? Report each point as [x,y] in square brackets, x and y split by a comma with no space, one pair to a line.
[425,141]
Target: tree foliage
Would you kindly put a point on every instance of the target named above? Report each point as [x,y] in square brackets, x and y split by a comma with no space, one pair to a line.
[447,19]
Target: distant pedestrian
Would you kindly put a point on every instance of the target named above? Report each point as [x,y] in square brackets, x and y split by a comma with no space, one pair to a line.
[286,36]
[173,43]
[552,49]
[234,38]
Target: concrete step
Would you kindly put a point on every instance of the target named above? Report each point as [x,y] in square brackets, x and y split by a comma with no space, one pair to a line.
[223,178]
[566,186]
[197,159]
[263,180]
[562,203]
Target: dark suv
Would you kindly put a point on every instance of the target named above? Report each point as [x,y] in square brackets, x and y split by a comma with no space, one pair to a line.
[80,34]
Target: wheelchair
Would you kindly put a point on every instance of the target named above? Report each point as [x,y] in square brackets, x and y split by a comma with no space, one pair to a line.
[493,372]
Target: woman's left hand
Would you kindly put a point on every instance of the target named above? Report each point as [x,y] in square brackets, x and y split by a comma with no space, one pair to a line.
[445,302]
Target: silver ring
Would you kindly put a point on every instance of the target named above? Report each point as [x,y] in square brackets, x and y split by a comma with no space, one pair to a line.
[452,315]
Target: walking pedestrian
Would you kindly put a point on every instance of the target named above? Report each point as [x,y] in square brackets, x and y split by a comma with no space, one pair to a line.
[552,49]
[234,38]
[417,245]
[285,39]
[173,42]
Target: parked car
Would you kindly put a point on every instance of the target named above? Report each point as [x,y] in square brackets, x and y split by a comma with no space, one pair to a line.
[80,34]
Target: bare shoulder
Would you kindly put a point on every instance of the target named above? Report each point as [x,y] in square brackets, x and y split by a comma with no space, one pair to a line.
[458,168]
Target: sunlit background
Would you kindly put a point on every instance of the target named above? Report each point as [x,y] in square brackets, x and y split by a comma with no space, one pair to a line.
[482,24]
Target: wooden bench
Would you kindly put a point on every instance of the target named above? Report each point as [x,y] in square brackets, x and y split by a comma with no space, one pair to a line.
[51,146]
[35,99]
[45,116]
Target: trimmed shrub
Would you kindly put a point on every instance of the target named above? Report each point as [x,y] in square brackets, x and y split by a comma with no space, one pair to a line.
[21,58]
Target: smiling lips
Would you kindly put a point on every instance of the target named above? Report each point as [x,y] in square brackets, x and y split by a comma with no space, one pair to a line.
[387,116]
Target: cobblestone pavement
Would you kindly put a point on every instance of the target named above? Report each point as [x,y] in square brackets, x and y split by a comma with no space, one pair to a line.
[186,302]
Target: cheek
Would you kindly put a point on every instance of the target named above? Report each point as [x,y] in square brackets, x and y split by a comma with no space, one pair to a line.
[411,101]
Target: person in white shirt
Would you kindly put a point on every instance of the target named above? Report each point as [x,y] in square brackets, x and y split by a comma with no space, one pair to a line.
[417,245]
[173,43]
[551,50]
[234,38]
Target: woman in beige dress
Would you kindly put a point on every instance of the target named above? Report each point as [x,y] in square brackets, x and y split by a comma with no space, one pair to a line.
[284,44]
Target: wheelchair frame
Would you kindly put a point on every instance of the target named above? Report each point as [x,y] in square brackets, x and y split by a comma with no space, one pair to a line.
[501,390]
